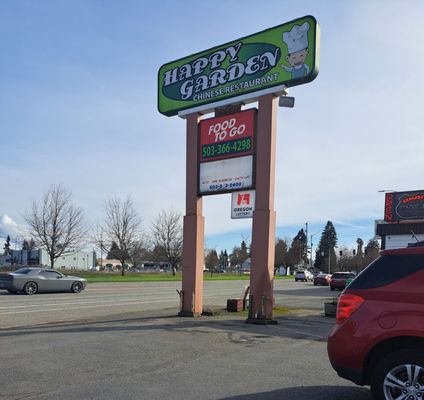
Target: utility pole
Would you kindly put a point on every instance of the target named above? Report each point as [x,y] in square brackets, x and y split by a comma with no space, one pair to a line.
[329,258]
[306,233]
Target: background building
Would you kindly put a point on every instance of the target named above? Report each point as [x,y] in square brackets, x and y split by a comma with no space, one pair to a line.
[403,219]
[81,260]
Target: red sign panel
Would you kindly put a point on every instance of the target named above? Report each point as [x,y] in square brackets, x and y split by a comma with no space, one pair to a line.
[228,136]
[243,199]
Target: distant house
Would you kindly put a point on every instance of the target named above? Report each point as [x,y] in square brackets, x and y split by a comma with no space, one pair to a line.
[245,266]
[81,260]
[111,264]
[154,265]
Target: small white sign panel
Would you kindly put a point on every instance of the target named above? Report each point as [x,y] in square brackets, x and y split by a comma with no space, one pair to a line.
[225,175]
[242,204]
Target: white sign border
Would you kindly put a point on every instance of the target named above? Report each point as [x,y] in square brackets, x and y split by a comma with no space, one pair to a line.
[252,192]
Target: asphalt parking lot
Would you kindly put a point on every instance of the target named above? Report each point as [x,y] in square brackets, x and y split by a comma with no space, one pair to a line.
[149,353]
[141,357]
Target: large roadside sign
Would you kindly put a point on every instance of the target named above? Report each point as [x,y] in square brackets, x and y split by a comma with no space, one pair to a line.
[226,152]
[404,206]
[286,55]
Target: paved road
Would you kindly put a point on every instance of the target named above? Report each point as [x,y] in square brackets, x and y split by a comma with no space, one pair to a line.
[135,357]
[103,299]
[123,341]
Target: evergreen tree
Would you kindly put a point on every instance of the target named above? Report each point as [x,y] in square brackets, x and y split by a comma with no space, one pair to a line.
[114,252]
[297,253]
[32,244]
[223,259]
[360,243]
[6,248]
[325,259]
[25,245]
[372,251]
[158,254]
[372,244]
[211,259]
[239,254]
[244,251]
[235,258]
[281,250]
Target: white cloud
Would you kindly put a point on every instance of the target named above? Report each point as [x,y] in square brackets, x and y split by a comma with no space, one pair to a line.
[8,227]
[354,130]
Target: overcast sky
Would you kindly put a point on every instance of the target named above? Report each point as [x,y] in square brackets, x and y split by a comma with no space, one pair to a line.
[78,83]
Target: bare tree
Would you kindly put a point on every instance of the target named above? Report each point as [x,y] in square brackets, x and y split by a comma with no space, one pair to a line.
[97,239]
[167,232]
[56,224]
[122,225]
[346,261]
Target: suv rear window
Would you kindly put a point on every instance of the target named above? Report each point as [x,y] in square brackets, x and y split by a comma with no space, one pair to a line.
[337,275]
[388,269]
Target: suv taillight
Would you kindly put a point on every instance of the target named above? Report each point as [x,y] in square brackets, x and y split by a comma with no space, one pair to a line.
[347,305]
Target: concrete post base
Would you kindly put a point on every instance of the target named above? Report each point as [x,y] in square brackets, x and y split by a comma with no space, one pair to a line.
[259,321]
[188,314]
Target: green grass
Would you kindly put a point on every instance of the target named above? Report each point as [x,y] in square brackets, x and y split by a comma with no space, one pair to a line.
[276,312]
[162,277]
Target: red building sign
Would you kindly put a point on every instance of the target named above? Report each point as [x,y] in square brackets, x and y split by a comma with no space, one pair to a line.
[404,206]
[228,136]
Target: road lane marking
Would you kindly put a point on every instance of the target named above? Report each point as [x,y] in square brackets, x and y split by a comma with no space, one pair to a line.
[66,304]
[92,306]
[116,304]
[94,298]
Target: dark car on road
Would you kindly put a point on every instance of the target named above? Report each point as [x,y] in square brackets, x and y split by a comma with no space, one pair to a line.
[322,279]
[338,280]
[378,338]
[37,280]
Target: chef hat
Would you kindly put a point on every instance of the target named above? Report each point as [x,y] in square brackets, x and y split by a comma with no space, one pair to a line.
[297,38]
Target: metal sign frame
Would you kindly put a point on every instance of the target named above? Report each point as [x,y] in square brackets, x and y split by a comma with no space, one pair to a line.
[253,154]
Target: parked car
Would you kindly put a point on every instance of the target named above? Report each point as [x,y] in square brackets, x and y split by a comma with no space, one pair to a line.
[303,276]
[338,280]
[322,279]
[37,280]
[380,315]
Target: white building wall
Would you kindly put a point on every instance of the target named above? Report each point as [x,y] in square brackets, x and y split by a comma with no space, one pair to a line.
[398,241]
[83,260]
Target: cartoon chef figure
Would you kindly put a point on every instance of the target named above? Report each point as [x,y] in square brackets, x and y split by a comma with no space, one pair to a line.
[297,44]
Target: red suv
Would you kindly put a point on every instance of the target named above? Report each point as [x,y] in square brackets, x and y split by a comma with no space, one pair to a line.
[378,338]
[338,280]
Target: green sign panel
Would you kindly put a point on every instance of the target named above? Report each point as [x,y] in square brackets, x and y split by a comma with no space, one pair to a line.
[284,55]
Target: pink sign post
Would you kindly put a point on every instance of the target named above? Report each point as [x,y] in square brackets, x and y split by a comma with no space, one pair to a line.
[263,232]
[236,150]
[194,230]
